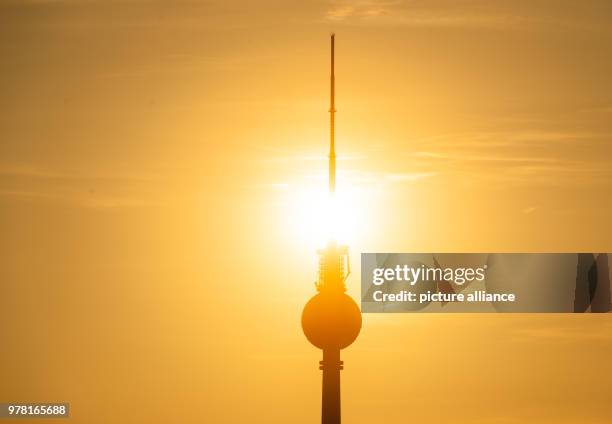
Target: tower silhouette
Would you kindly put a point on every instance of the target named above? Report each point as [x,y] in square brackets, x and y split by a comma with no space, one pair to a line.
[331,320]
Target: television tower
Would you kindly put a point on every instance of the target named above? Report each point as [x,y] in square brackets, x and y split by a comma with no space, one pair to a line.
[331,320]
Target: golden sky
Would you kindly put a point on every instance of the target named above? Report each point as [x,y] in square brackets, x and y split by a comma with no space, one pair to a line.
[158,166]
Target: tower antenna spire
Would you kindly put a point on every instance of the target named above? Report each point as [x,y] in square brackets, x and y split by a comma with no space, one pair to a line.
[332,113]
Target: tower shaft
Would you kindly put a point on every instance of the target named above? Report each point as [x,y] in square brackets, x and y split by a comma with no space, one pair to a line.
[332,113]
[330,405]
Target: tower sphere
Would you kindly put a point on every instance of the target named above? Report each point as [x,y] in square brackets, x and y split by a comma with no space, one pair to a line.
[331,320]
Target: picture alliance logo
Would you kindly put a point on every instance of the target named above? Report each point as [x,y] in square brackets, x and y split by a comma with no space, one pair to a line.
[413,275]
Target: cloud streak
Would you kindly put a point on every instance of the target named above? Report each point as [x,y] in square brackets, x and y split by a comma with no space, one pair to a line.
[409,14]
[341,11]
[30,183]
[453,14]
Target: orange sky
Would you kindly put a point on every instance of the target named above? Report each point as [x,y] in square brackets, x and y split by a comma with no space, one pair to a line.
[154,161]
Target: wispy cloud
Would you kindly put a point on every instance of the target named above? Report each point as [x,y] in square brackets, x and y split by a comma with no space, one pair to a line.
[36,184]
[480,158]
[343,10]
[276,186]
[509,138]
[529,210]
[514,157]
[76,198]
[29,171]
[410,14]
[309,158]
[549,157]
[452,14]
[276,154]
[349,178]
[384,177]
[409,177]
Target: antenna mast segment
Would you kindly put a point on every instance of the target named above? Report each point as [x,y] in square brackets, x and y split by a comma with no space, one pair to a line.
[332,112]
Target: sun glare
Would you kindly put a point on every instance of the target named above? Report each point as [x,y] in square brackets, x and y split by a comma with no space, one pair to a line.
[317,217]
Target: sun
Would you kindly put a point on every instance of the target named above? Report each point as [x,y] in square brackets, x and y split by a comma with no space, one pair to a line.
[316,216]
